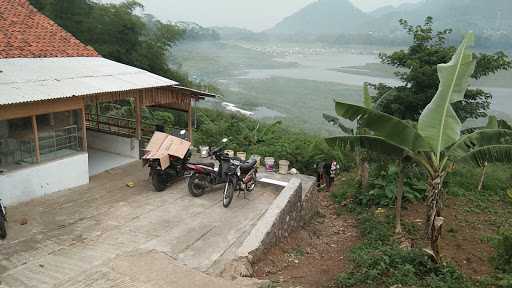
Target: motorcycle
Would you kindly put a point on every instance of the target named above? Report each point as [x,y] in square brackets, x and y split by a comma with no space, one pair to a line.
[3,219]
[232,171]
[161,178]
[241,175]
[205,175]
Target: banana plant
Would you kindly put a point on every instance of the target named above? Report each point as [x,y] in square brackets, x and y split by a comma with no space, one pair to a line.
[436,142]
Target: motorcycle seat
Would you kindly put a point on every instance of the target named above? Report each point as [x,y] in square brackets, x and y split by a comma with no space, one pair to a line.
[248,165]
[208,164]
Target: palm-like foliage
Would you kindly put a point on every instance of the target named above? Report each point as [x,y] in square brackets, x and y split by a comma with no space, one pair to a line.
[436,142]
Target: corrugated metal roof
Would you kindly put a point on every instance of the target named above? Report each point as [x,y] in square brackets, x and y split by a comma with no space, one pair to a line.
[34,79]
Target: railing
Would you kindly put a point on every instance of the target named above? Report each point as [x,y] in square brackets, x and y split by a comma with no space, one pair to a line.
[62,139]
[123,126]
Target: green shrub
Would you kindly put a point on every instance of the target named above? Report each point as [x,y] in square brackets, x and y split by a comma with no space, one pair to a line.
[303,150]
[502,258]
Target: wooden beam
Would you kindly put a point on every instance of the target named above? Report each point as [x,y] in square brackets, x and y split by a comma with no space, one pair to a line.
[189,114]
[84,128]
[20,110]
[36,139]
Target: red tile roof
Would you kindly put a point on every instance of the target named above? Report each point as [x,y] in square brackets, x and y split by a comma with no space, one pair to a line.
[26,33]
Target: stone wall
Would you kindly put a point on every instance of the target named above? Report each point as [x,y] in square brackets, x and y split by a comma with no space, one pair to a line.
[295,205]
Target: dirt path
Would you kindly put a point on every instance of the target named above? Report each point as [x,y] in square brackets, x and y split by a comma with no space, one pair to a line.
[314,256]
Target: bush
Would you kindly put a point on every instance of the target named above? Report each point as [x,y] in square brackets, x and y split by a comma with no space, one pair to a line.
[303,150]
[380,262]
[502,259]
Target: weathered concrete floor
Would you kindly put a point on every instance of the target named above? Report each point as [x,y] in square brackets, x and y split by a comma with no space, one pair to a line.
[79,238]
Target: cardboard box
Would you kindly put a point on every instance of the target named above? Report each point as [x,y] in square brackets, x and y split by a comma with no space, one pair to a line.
[162,146]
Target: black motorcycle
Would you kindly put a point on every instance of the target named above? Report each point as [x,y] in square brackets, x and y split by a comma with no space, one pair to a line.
[241,176]
[161,178]
[204,175]
[3,219]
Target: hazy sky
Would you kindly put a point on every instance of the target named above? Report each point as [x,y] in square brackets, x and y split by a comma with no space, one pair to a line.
[252,14]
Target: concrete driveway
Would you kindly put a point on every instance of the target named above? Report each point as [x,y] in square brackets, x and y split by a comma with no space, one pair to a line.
[72,238]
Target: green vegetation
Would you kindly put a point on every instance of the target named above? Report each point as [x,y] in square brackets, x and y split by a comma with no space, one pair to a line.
[379,261]
[435,143]
[418,72]
[267,140]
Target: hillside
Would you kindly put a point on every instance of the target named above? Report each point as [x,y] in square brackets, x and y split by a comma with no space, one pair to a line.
[323,17]
[334,17]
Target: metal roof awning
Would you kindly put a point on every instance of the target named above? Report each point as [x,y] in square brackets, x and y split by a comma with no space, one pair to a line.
[35,79]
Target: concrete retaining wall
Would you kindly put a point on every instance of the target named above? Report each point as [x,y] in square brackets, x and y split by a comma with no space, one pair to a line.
[289,211]
[37,180]
[128,147]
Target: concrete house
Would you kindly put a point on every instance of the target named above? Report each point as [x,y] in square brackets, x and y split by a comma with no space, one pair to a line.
[53,135]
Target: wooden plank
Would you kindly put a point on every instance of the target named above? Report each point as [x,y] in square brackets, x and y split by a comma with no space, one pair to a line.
[36,138]
[38,108]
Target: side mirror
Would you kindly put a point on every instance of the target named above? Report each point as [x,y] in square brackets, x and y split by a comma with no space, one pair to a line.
[224,140]
[183,132]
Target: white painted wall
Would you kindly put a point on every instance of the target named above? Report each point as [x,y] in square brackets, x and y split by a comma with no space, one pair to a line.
[128,147]
[42,179]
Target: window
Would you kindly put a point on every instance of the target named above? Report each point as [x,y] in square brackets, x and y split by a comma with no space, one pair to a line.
[59,134]
[16,143]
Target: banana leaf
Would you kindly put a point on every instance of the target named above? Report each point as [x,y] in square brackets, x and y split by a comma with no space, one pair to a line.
[438,123]
[478,140]
[392,129]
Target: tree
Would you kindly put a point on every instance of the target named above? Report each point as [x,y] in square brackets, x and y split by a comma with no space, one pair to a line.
[118,33]
[417,70]
[435,142]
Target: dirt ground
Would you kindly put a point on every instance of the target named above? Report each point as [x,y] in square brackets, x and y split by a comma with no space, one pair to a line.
[463,241]
[314,256]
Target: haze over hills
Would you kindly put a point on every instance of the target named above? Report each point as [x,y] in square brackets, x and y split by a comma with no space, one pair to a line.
[340,16]
[334,16]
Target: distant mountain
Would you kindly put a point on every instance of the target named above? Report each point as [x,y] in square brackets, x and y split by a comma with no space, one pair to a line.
[323,17]
[336,17]
[489,16]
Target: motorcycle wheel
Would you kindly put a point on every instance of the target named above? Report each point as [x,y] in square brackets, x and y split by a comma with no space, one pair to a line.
[252,184]
[229,191]
[197,184]
[158,182]
[3,229]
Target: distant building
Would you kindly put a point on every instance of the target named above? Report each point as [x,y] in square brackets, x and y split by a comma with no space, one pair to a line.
[52,134]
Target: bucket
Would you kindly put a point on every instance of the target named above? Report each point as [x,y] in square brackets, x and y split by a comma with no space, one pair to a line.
[241,155]
[283,166]
[230,153]
[204,150]
[258,160]
[269,164]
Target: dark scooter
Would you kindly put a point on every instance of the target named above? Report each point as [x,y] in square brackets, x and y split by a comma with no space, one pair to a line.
[161,178]
[3,219]
[241,176]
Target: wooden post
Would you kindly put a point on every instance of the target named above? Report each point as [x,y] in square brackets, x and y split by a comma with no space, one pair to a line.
[97,115]
[138,116]
[36,139]
[189,114]
[84,128]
